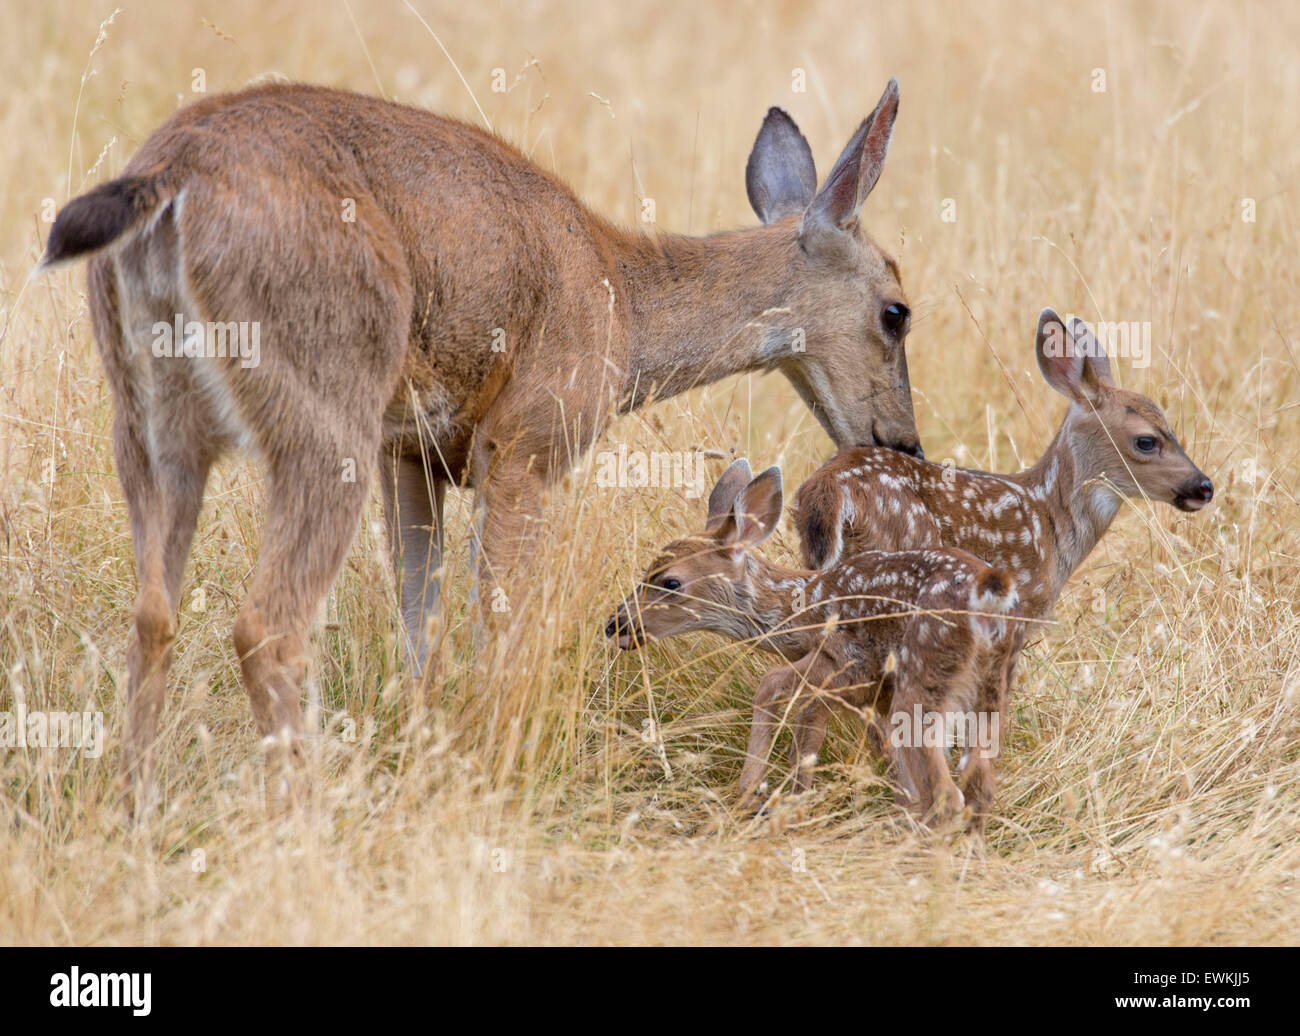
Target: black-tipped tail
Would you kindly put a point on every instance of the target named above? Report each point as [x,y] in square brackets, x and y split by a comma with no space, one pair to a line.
[99,217]
[995,591]
[818,521]
[994,583]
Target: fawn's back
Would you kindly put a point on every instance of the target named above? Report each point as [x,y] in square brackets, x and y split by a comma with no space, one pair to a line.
[946,617]
[871,498]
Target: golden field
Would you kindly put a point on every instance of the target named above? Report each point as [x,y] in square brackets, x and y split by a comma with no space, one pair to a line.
[1150,790]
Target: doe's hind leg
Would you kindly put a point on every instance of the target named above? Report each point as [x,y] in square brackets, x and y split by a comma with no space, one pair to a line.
[312,519]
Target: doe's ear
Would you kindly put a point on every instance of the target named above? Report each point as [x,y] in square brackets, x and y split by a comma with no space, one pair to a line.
[780,177]
[728,487]
[757,510]
[837,204]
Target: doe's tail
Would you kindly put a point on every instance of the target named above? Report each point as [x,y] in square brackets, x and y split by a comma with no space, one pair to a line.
[99,217]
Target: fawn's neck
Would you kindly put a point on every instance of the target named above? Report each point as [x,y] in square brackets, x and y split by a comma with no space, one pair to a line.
[1079,505]
[702,308]
[777,610]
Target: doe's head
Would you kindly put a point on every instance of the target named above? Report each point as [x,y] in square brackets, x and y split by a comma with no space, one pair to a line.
[844,293]
[704,582]
[1121,436]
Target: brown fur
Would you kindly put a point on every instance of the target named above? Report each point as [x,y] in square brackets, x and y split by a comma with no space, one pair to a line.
[377,339]
[877,634]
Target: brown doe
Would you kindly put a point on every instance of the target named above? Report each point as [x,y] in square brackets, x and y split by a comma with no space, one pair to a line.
[432,306]
[914,641]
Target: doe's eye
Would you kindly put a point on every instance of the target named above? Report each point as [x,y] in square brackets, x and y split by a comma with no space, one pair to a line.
[1145,444]
[670,583]
[894,317]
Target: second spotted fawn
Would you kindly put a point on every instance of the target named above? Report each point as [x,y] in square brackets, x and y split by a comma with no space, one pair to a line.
[917,638]
[1039,524]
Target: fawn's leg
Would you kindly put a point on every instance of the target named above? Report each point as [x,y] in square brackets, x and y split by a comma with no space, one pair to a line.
[922,770]
[878,725]
[775,700]
[413,504]
[993,698]
[819,676]
[978,780]
[776,687]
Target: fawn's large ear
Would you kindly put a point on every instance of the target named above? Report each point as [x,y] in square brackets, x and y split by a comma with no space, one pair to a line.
[1096,364]
[730,483]
[780,177]
[757,510]
[835,208]
[1061,364]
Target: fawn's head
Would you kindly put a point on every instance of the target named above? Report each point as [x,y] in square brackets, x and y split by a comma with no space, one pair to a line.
[845,299]
[1120,436]
[705,582]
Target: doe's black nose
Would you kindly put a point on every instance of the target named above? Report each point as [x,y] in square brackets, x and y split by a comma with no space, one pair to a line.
[1205,490]
[611,628]
[912,447]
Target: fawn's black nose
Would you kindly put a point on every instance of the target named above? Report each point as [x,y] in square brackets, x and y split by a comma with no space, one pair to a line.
[1195,494]
[622,630]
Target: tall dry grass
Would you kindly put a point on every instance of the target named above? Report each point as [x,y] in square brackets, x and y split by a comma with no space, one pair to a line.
[1151,786]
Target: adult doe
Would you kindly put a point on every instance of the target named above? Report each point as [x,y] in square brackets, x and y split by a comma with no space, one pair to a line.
[909,640]
[433,306]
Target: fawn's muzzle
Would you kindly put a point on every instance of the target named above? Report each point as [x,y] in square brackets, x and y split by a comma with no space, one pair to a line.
[622,629]
[1194,494]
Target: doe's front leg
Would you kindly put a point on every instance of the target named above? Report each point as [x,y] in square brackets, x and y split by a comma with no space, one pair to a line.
[506,533]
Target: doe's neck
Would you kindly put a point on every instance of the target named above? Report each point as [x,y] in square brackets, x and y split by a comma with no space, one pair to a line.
[699,309]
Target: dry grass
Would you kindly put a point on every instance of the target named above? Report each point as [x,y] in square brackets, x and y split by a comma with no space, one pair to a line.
[1151,788]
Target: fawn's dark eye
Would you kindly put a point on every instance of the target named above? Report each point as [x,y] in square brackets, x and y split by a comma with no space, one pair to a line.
[894,317]
[1146,444]
[670,583]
